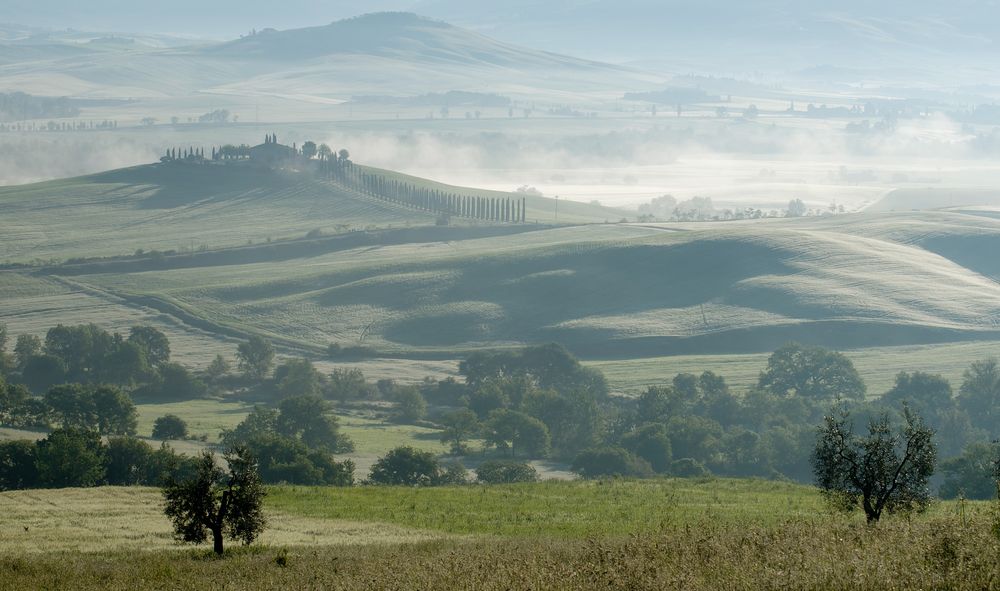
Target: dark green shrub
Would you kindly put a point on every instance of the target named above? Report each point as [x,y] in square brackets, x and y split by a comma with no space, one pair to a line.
[170,427]
[609,461]
[505,472]
[688,468]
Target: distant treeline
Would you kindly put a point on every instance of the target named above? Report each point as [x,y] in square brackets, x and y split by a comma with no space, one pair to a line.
[18,106]
[532,403]
[673,96]
[453,98]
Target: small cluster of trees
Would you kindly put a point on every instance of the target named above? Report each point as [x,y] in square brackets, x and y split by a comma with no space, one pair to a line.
[88,354]
[696,424]
[701,209]
[231,152]
[18,106]
[106,410]
[187,154]
[329,162]
[407,466]
[216,116]
[532,403]
[74,457]
[295,443]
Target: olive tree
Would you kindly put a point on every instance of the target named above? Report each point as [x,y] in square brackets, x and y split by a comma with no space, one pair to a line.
[885,470]
[223,503]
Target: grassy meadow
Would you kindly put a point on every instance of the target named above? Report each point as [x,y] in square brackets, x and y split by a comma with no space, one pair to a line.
[666,534]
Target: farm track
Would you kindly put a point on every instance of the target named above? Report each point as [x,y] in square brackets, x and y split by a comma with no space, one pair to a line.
[291,250]
[179,314]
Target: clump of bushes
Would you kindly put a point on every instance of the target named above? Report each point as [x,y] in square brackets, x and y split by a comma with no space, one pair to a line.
[505,472]
[336,351]
[408,466]
[610,461]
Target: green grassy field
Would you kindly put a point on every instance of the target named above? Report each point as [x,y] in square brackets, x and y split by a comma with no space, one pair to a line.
[561,509]
[112,518]
[670,534]
[372,438]
[203,417]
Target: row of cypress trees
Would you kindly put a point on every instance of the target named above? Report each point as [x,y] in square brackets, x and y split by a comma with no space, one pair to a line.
[494,209]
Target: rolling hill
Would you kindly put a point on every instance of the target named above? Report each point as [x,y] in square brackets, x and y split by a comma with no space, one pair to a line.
[243,265]
[605,290]
[363,55]
[182,207]
[716,35]
[400,35]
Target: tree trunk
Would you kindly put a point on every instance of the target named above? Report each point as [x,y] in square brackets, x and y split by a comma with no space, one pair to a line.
[220,519]
[872,513]
[217,540]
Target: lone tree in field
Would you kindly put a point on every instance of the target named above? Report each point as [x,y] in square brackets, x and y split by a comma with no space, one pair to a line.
[255,357]
[883,471]
[225,504]
[170,427]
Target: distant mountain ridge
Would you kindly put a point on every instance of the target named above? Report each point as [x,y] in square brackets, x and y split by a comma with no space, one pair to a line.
[727,34]
[378,53]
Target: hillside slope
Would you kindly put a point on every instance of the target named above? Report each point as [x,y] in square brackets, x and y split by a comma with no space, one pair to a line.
[179,206]
[399,35]
[605,290]
[408,288]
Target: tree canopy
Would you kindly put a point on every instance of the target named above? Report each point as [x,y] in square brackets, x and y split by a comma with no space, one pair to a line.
[885,470]
[811,372]
[217,502]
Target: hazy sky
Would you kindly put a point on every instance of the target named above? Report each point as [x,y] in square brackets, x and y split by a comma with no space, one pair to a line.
[227,18]
[602,29]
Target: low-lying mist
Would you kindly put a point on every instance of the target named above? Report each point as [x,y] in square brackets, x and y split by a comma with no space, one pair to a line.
[40,157]
[735,161]
[762,162]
